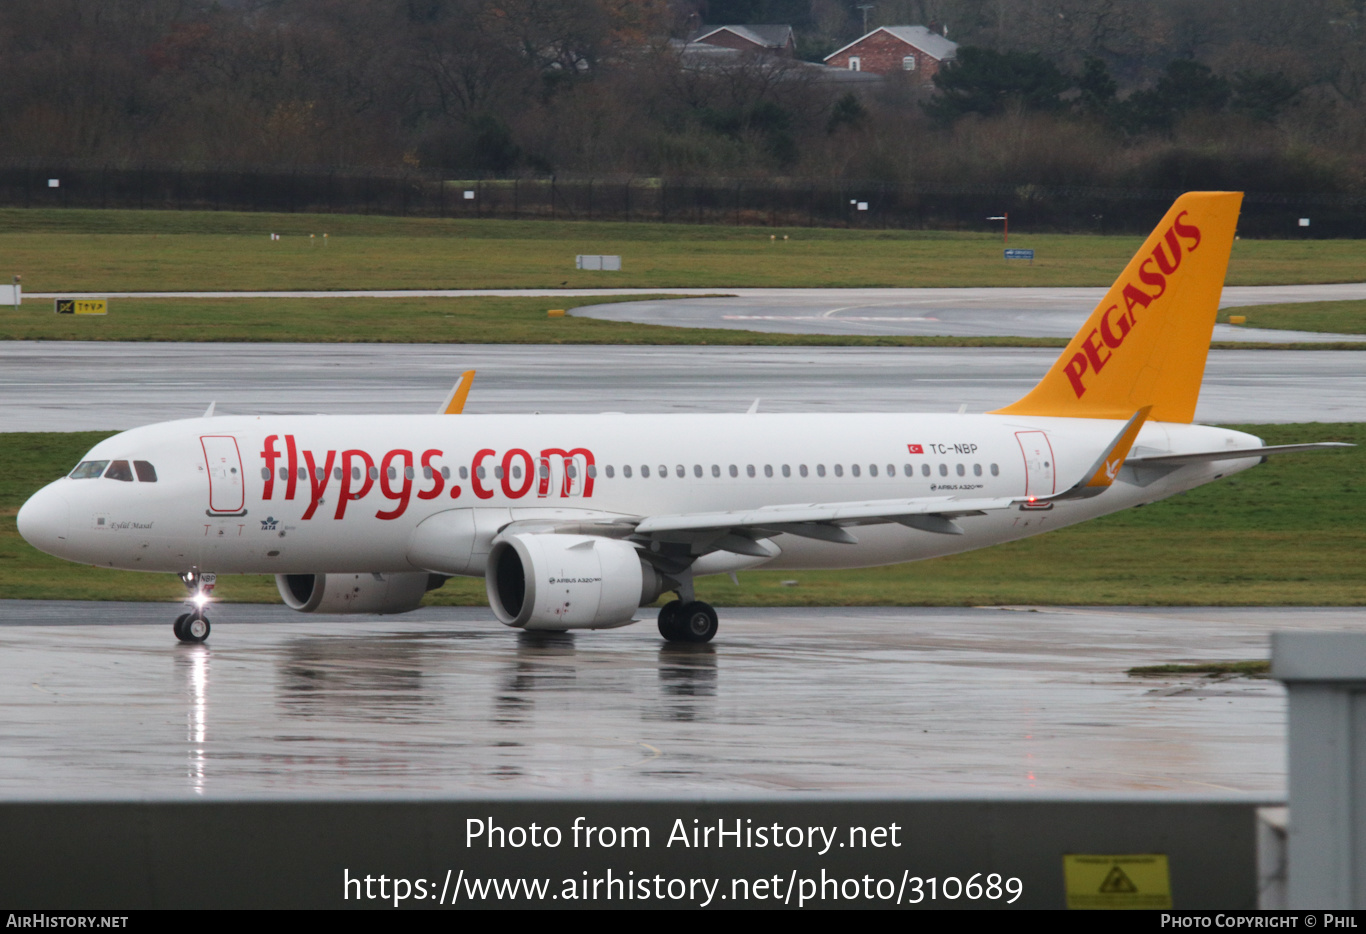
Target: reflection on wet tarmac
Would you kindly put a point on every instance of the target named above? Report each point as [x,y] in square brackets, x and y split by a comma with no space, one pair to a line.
[954,700]
[378,679]
[687,676]
[193,660]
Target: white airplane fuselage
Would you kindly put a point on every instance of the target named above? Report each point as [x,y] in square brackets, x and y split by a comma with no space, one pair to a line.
[329,494]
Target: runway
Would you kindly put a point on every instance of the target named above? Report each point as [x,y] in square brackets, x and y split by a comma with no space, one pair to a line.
[99,701]
[967,312]
[80,385]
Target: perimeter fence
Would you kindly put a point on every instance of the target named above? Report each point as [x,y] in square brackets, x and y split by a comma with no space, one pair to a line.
[756,202]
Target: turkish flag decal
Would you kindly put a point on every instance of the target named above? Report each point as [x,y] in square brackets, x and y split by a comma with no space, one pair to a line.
[915,449]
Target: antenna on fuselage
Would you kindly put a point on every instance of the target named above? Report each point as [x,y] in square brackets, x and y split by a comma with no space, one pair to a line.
[208,413]
[753,408]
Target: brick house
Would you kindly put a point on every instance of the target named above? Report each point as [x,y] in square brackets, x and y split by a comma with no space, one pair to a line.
[890,49]
[773,40]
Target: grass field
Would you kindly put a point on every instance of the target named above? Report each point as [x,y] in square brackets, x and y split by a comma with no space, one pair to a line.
[88,250]
[1332,317]
[1289,532]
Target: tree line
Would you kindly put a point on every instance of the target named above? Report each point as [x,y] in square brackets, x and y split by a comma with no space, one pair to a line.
[1255,94]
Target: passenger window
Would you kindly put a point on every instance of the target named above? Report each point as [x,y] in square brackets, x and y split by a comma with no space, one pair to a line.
[680,471]
[445,473]
[802,470]
[119,470]
[891,470]
[872,470]
[146,472]
[610,472]
[592,471]
[976,470]
[480,472]
[854,469]
[663,471]
[961,470]
[543,470]
[303,473]
[645,470]
[749,469]
[408,473]
[498,473]
[355,473]
[768,470]
[626,471]
[570,471]
[839,470]
[995,471]
[734,471]
[88,470]
[697,470]
[265,473]
[820,470]
[943,470]
[374,473]
[336,473]
[909,470]
[716,470]
[464,473]
[516,471]
[924,470]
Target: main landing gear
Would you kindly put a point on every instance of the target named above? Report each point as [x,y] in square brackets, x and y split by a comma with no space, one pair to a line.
[694,621]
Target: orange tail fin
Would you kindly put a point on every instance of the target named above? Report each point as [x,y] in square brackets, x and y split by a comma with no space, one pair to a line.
[1146,342]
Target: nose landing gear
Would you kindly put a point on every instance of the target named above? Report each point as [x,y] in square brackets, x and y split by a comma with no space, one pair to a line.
[193,627]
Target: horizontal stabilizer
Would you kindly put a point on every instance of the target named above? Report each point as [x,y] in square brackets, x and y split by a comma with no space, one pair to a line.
[1230,454]
[1102,473]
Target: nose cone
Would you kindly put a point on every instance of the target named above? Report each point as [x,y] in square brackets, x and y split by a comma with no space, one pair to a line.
[45,519]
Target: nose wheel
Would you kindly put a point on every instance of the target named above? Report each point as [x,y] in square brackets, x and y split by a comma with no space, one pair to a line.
[191,628]
[694,621]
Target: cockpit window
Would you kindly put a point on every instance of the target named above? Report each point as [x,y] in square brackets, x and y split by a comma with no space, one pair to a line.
[146,472]
[87,470]
[119,470]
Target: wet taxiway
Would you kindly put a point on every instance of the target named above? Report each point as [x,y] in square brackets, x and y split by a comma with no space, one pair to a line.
[98,700]
[78,385]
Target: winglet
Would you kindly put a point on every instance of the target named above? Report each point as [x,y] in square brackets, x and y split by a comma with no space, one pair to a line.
[455,402]
[1103,472]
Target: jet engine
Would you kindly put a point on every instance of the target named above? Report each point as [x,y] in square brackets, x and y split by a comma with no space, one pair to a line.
[355,593]
[552,581]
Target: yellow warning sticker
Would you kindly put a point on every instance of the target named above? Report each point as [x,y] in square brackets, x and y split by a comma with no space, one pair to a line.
[1140,880]
[82,306]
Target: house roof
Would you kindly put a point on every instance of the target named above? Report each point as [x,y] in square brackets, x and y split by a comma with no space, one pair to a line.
[931,43]
[770,37]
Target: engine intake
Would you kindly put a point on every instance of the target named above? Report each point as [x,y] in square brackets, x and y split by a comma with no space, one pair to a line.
[551,581]
[355,593]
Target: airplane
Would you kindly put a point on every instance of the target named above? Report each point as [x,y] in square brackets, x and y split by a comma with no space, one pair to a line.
[577,521]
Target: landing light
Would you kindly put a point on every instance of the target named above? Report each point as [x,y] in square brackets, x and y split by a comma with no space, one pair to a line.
[199,600]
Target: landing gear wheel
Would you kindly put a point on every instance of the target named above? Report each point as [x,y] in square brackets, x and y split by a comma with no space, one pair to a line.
[178,627]
[697,622]
[192,628]
[668,620]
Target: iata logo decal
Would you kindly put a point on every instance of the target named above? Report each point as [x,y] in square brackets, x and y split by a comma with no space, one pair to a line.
[269,523]
[1115,325]
[400,474]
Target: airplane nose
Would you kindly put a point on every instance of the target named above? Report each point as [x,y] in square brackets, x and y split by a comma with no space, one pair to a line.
[44,521]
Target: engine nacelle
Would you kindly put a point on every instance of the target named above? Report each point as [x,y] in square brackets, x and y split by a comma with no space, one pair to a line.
[355,593]
[550,581]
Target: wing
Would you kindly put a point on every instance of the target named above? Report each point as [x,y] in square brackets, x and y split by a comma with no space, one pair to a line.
[830,522]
